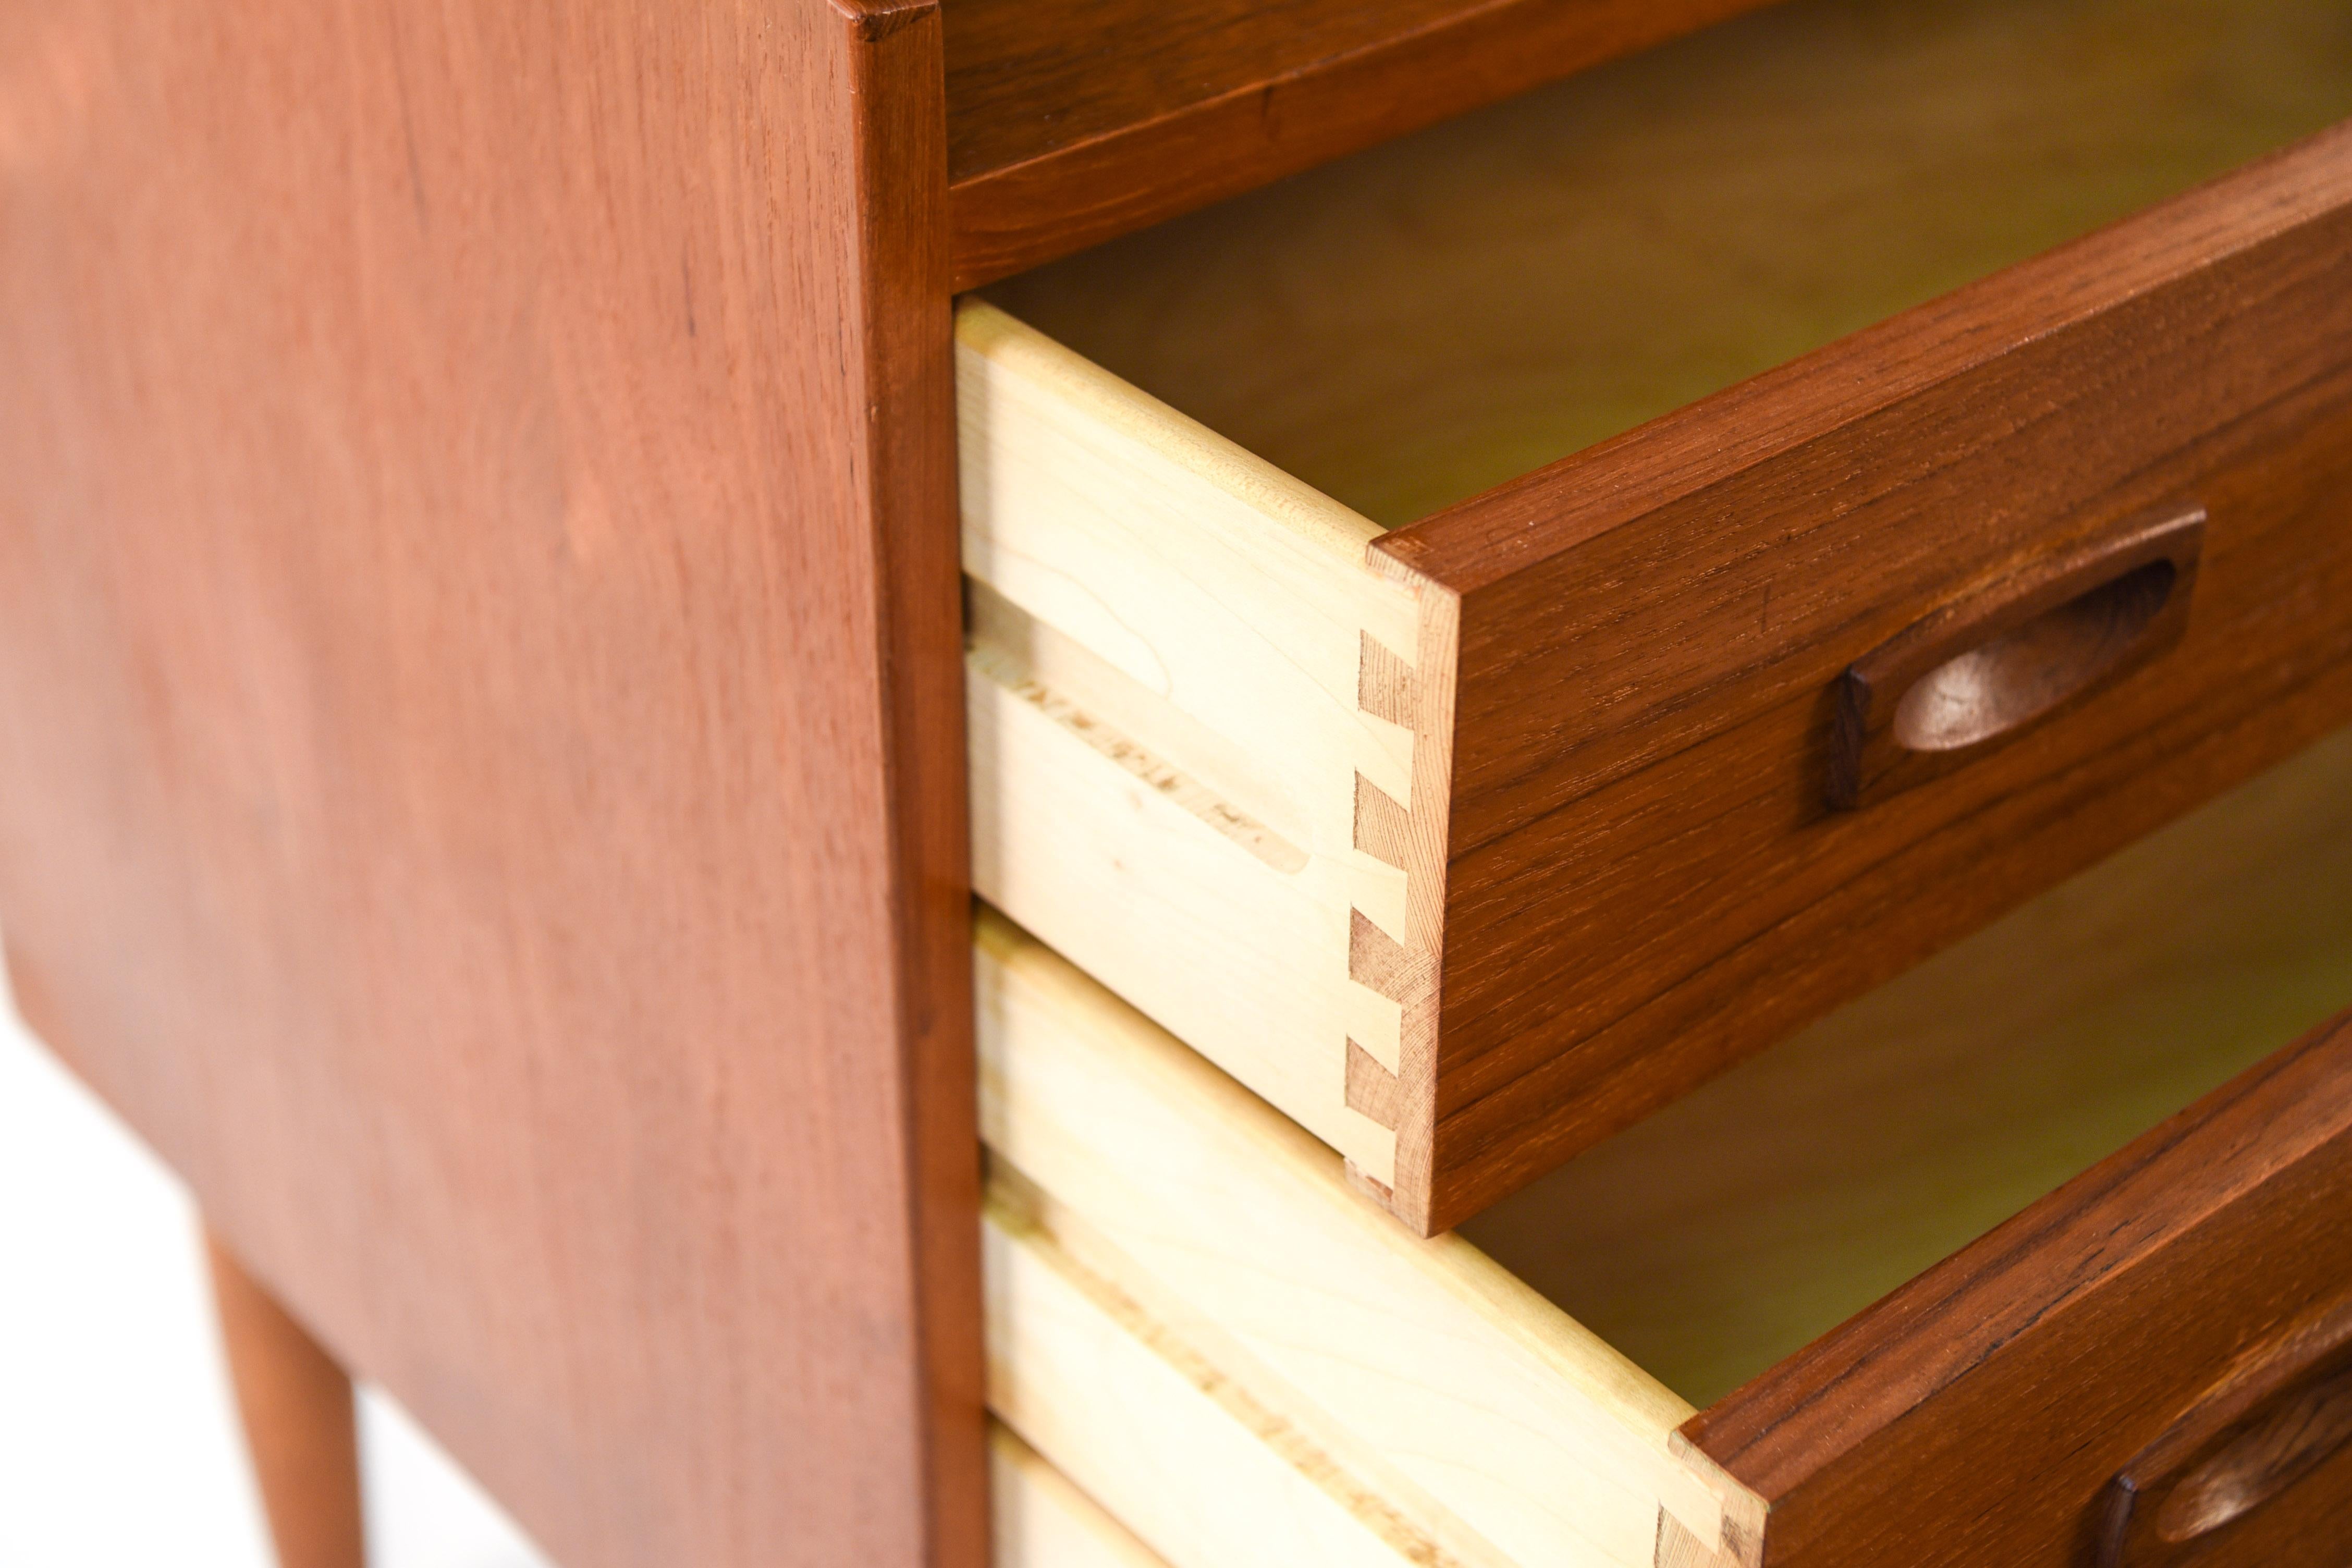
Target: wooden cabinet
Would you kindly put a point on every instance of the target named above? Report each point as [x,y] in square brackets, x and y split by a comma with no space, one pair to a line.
[1481,610]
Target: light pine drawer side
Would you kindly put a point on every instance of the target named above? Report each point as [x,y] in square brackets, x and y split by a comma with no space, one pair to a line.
[1466,1417]
[1201,761]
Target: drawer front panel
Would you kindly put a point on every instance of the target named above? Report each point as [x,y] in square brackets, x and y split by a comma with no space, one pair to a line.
[1645,876]
[2147,1368]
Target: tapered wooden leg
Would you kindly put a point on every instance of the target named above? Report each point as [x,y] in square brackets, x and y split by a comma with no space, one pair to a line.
[296,1405]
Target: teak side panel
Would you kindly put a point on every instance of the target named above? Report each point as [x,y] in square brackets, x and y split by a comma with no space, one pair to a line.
[1650,633]
[480,758]
[1073,121]
[1977,1414]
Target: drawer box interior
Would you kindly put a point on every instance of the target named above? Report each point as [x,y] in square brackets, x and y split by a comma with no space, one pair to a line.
[1409,328]
[1073,121]
[1470,809]
[1192,1316]
[1741,1222]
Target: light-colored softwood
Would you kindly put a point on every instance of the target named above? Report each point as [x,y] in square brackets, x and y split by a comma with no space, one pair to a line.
[1192,1315]
[1188,690]
[1488,1426]
[1039,1520]
[1202,1469]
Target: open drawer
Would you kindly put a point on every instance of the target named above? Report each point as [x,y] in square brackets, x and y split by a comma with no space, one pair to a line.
[1468,843]
[1950,1277]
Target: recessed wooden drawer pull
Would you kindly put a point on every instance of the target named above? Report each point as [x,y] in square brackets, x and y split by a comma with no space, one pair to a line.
[2279,1416]
[1982,670]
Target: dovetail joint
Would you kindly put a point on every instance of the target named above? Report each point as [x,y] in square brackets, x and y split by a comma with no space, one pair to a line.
[1372,1090]
[1384,684]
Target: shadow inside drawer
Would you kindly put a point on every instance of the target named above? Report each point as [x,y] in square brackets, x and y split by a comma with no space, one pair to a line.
[1732,1228]
[1407,326]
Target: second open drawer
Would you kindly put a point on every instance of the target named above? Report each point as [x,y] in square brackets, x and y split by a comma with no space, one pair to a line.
[1468,843]
[2039,1256]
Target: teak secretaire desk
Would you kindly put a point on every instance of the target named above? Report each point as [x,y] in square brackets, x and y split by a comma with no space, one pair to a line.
[1652,763]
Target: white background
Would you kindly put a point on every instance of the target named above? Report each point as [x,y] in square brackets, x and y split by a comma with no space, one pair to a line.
[118,1443]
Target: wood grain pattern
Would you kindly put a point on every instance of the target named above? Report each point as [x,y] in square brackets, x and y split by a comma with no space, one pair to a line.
[1074,120]
[1977,1414]
[1193,1312]
[1483,1421]
[1169,646]
[1620,871]
[1408,328]
[1757,1214]
[480,758]
[2267,1439]
[1205,1472]
[295,1405]
[1728,562]
[1040,1520]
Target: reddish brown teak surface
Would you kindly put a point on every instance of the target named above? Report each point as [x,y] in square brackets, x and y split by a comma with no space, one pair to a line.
[480,721]
[1073,121]
[1654,633]
[294,1404]
[1981,1412]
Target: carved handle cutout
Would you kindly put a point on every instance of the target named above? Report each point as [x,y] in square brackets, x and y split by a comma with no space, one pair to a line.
[2280,1414]
[2262,1462]
[1986,668]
